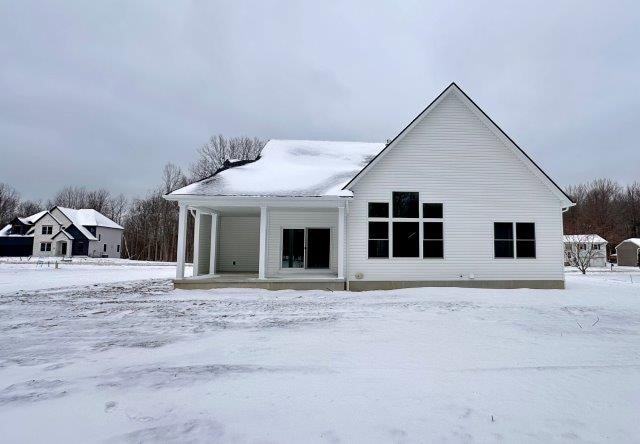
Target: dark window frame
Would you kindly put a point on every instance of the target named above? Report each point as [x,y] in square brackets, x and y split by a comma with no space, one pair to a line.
[415,201]
[514,240]
[377,239]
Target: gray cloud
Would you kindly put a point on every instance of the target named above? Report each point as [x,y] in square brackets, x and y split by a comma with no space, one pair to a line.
[105,93]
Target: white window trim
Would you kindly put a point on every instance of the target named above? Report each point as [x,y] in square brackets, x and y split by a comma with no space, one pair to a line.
[514,240]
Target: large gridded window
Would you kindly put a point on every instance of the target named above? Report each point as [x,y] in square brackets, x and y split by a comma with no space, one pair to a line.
[400,238]
[47,229]
[378,239]
[378,209]
[406,238]
[406,204]
[510,243]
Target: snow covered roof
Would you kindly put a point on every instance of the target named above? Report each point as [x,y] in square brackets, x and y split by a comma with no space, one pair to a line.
[5,230]
[291,168]
[31,219]
[633,240]
[88,217]
[584,238]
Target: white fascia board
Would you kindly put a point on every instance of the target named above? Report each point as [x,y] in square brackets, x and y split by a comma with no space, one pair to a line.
[251,201]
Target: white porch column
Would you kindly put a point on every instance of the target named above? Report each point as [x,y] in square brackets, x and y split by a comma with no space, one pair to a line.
[341,238]
[182,240]
[214,243]
[262,263]
[196,242]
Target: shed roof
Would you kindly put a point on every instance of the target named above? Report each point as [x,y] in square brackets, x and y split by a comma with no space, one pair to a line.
[633,240]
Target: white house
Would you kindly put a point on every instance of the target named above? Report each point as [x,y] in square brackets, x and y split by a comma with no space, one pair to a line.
[450,201]
[628,252]
[590,246]
[62,232]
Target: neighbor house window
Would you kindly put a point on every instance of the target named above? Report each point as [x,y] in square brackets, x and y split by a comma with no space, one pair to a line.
[45,246]
[118,248]
[379,239]
[406,204]
[104,247]
[522,245]
[47,229]
[99,236]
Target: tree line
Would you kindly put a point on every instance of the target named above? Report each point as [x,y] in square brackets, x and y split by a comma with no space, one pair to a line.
[150,222]
[606,208]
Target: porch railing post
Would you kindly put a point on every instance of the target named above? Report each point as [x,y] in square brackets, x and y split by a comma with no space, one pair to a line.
[341,239]
[262,260]
[182,238]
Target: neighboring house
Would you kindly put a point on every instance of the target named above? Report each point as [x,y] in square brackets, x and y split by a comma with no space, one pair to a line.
[450,201]
[590,246]
[62,232]
[628,252]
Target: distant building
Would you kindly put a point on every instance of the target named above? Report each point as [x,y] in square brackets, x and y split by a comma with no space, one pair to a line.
[628,252]
[62,232]
[586,245]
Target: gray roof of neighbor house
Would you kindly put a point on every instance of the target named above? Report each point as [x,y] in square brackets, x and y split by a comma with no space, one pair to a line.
[290,168]
[633,240]
[85,217]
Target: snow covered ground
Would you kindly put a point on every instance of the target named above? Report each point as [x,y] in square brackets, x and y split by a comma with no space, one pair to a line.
[139,362]
[16,275]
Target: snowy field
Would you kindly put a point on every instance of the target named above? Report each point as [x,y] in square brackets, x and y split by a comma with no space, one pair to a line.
[139,362]
[26,275]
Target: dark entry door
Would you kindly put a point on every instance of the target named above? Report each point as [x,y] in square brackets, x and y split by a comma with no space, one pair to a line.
[64,248]
[318,247]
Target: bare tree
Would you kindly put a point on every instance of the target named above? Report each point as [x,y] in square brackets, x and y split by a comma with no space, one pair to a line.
[29,207]
[71,197]
[9,201]
[581,251]
[212,155]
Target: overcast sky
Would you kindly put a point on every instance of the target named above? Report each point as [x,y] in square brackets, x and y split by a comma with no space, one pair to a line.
[104,93]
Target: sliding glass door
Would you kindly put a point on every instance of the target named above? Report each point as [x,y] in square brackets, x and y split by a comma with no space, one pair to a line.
[306,248]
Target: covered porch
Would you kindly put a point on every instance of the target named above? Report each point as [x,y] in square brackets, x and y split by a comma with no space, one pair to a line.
[264,243]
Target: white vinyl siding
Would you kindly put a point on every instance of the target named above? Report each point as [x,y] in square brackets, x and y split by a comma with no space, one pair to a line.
[451,157]
[204,244]
[239,242]
[278,219]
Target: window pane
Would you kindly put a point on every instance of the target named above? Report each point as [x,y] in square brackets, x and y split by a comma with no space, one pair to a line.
[525,230]
[433,248]
[378,209]
[405,204]
[378,248]
[405,239]
[433,230]
[292,248]
[503,248]
[432,210]
[503,230]
[526,248]
[378,230]
[42,246]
